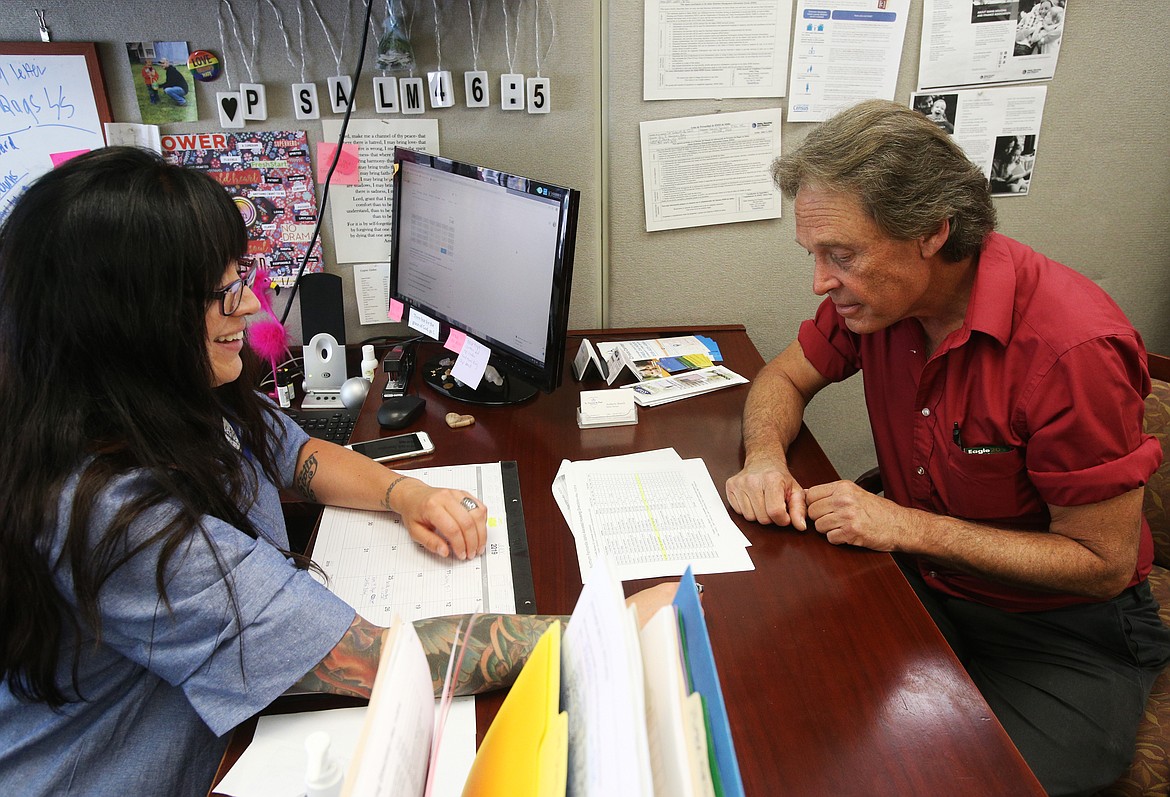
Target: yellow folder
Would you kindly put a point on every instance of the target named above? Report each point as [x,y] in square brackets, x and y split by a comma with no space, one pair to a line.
[525,751]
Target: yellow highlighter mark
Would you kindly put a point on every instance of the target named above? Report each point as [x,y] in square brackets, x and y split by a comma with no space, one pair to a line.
[650,515]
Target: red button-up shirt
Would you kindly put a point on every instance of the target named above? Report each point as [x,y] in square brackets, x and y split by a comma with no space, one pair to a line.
[1036,400]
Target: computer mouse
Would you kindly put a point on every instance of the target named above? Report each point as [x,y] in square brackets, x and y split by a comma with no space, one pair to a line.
[398,411]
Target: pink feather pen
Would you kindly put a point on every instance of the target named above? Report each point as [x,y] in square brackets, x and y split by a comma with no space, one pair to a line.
[266,335]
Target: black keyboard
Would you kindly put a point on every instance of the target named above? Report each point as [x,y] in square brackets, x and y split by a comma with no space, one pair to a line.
[333,425]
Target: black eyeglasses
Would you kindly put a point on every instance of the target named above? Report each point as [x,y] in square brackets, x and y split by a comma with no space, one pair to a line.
[231,296]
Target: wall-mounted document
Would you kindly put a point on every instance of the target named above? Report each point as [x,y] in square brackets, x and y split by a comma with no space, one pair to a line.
[53,101]
[697,49]
[843,52]
[998,129]
[710,169]
[970,44]
[362,212]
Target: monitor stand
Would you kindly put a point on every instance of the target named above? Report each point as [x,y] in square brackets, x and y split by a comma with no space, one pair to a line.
[437,374]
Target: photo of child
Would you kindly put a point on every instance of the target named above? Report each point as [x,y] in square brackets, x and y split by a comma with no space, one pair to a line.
[162,81]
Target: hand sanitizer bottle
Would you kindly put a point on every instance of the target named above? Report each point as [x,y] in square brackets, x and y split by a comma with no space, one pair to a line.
[369,362]
[323,775]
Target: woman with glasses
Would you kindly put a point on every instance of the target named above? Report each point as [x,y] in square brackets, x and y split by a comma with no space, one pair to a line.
[148,603]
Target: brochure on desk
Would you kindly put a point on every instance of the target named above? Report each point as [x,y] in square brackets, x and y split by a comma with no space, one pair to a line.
[667,369]
[600,710]
[645,359]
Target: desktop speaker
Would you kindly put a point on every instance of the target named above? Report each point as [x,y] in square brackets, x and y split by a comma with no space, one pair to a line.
[324,372]
[321,306]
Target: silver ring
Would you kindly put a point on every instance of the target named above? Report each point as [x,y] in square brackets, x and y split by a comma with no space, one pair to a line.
[469,504]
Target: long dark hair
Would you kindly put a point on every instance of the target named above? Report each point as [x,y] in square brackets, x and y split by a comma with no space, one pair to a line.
[107,264]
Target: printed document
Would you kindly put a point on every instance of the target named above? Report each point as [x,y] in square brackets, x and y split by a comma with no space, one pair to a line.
[709,49]
[998,129]
[602,689]
[710,169]
[976,44]
[843,52]
[362,213]
[650,515]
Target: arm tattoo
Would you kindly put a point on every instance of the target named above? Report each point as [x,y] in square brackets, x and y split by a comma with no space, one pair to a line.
[305,477]
[498,647]
[350,667]
[497,650]
[390,489]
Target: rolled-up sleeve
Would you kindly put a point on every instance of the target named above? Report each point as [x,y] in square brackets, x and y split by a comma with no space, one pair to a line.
[829,345]
[241,623]
[1084,419]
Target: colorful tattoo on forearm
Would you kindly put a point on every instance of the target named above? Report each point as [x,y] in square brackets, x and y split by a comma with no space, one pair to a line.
[497,649]
[349,668]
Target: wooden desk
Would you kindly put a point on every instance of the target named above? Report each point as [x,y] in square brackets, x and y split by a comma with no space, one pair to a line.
[836,680]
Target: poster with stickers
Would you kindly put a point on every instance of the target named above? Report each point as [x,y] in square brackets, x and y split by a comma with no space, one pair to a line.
[270,178]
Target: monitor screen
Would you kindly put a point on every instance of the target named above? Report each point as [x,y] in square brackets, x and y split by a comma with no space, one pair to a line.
[489,254]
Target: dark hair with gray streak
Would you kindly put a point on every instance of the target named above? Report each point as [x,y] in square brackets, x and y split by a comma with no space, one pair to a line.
[906,172]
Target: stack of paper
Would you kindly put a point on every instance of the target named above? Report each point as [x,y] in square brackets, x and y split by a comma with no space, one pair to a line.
[645,709]
[604,710]
[651,514]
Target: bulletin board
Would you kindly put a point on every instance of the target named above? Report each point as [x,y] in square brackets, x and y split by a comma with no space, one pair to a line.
[53,105]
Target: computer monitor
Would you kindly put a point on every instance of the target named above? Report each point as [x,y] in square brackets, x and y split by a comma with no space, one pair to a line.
[489,254]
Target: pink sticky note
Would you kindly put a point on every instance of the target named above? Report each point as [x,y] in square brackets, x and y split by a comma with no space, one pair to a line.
[346,172]
[60,157]
[395,313]
[455,341]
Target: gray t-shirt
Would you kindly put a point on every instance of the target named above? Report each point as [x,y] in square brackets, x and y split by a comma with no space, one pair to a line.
[164,686]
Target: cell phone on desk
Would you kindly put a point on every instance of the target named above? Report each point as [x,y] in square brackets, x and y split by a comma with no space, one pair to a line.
[399,446]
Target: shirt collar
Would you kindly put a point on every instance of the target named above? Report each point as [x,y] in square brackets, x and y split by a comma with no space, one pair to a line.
[993,294]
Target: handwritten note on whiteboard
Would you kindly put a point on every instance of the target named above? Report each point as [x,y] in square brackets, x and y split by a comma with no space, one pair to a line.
[47,108]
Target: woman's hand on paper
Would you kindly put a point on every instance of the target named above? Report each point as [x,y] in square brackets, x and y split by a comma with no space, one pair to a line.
[445,522]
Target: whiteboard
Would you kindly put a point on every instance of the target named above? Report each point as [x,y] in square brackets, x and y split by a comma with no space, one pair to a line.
[52,104]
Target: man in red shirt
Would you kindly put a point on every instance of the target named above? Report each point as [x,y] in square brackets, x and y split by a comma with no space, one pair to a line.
[1005,392]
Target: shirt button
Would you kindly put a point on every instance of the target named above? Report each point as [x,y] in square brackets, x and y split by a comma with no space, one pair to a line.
[933,574]
[921,471]
[926,411]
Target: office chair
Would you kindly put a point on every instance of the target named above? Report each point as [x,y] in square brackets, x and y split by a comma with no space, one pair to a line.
[1149,774]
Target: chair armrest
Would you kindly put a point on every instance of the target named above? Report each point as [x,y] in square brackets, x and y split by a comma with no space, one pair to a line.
[871,481]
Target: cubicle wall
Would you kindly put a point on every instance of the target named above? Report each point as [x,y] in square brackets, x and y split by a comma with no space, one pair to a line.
[1099,200]
[559,147]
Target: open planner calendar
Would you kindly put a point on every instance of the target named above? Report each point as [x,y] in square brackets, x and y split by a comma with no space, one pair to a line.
[373,565]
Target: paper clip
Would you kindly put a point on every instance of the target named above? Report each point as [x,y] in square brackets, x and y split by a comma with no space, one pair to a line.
[44,28]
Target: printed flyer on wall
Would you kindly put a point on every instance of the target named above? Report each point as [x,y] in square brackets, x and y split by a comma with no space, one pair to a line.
[998,129]
[270,178]
[989,41]
[843,52]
